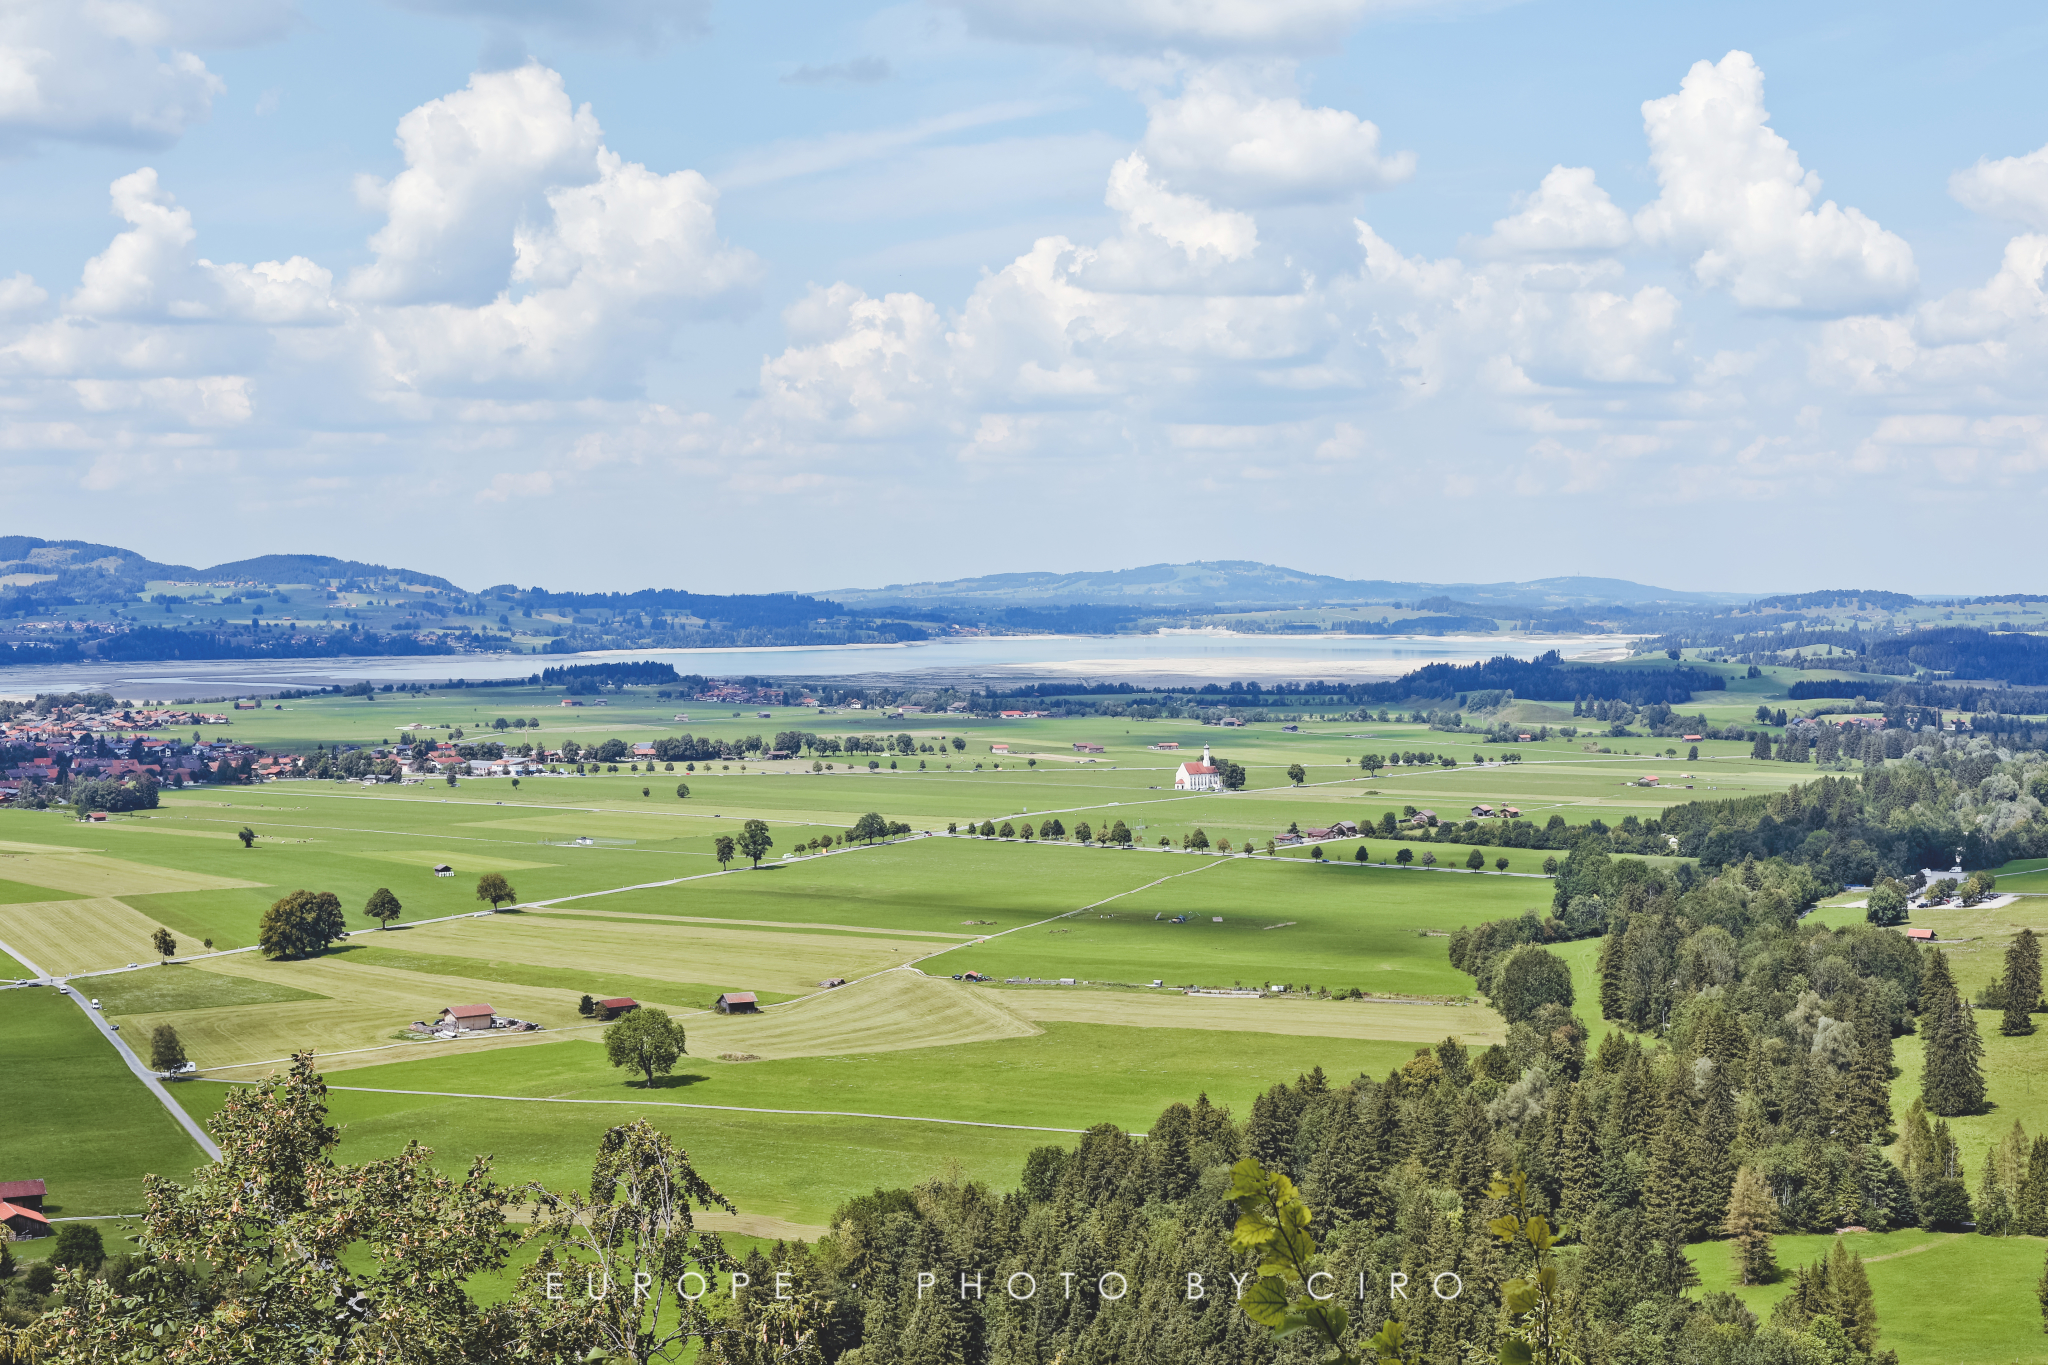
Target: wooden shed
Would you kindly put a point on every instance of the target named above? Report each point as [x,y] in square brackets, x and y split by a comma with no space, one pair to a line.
[26,1194]
[737,1002]
[616,1006]
[469,1018]
[22,1224]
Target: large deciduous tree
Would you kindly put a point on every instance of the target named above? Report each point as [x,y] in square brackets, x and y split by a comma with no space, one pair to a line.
[493,887]
[301,924]
[647,1041]
[383,907]
[755,841]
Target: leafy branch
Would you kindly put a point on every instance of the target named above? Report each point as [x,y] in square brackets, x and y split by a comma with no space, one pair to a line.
[1536,1333]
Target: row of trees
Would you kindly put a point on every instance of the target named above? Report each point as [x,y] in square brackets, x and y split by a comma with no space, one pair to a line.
[305,922]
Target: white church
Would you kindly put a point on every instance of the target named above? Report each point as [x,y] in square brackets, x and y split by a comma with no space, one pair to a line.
[1198,777]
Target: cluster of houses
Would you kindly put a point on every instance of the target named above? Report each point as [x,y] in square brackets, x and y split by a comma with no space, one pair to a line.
[1339,829]
[117,744]
[457,1020]
[731,694]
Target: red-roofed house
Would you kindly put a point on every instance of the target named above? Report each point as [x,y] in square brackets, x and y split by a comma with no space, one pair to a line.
[617,1005]
[1199,777]
[468,1017]
[22,1223]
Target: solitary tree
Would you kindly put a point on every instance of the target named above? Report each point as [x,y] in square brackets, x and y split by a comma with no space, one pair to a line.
[682,791]
[2022,984]
[647,1041]
[301,924]
[165,945]
[1363,855]
[247,836]
[1475,860]
[1405,856]
[1886,906]
[1296,774]
[493,887]
[586,1007]
[1748,1225]
[1372,763]
[382,907]
[166,1051]
[869,828]
[755,841]
[722,849]
[1500,864]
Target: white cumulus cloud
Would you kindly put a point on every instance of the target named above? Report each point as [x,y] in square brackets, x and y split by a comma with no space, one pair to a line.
[1569,214]
[122,73]
[2013,187]
[1222,136]
[1737,202]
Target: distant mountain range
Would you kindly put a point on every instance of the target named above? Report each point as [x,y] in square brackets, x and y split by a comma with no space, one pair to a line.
[1247,584]
[34,555]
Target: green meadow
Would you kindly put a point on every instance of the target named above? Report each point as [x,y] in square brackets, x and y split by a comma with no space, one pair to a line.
[831,1093]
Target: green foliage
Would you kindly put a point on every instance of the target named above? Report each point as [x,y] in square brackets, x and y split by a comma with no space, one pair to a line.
[493,887]
[166,1049]
[79,1246]
[2022,978]
[383,907]
[247,836]
[1526,980]
[645,1040]
[1537,1331]
[1273,1224]
[682,790]
[301,924]
[755,841]
[723,849]
[1952,1081]
[163,943]
[1887,905]
[1296,774]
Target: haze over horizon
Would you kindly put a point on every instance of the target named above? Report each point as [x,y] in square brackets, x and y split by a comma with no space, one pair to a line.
[738,299]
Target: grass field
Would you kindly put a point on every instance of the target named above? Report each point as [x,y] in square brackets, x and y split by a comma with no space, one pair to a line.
[76,1119]
[645,911]
[1954,1298]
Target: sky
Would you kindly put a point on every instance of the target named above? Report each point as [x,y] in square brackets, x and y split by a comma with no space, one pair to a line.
[607,294]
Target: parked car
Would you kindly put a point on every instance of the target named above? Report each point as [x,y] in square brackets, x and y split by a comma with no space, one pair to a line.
[95,1003]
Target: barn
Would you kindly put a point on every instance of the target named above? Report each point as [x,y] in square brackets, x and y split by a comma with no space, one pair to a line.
[26,1194]
[737,1002]
[468,1018]
[616,1006]
[23,1224]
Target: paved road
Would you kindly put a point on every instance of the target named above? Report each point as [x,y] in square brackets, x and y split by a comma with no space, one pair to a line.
[142,1073]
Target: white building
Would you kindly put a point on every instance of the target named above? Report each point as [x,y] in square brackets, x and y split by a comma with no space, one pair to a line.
[1198,777]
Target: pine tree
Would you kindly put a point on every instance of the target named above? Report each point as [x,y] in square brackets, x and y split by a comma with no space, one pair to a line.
[1613,983]
[1855,1307]
[1578,1160]
[2022,984]
[1952,1081]
[1748,1224]
[2030,1205]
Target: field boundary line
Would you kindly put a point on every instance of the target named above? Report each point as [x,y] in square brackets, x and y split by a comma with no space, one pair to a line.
[677,1104]
[1913,1251]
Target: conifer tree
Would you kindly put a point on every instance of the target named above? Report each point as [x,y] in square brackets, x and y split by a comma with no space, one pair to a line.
[2030,1205]
[1748,1224]
[1613,984]
[2022,984]
[1952,1081]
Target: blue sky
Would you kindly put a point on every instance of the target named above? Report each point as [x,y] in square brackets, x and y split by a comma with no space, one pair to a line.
[616,293]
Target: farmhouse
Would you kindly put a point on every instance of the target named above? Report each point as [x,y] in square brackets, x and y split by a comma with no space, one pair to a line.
[617,1005]
[23,1224]
[737,1002]
[1082,746]
[443,870]
[27,1194]
[1423,817]
[999,748]
[467,1018]
[1199,777]
[1482,812]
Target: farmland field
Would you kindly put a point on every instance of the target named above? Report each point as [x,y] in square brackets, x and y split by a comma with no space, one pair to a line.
[905,1072]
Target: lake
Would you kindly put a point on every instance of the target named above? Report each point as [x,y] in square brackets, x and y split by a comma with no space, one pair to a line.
[1177,656]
